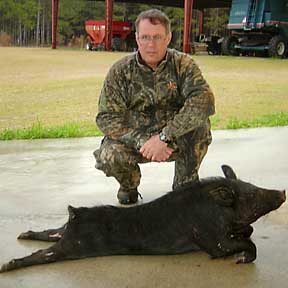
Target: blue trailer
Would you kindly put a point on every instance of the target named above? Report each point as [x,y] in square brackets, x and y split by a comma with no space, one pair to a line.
[258,26]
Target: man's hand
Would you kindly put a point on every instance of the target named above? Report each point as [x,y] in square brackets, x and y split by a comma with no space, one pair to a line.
[156,150]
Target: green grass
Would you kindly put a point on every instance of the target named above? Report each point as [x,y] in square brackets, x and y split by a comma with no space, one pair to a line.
[47,93]
[38,131]
[70,130]
[277,119]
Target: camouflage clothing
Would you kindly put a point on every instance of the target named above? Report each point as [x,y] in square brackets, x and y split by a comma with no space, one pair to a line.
[121,161]
[137,102]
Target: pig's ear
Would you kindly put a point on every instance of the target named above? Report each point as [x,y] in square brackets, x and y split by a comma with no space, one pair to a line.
[228,172]
[222,195]
[72,212]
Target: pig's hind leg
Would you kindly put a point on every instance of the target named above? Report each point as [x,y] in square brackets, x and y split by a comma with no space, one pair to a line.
[42,256]
[50,235]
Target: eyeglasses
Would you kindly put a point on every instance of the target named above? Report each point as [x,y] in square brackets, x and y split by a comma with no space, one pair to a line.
[148,38]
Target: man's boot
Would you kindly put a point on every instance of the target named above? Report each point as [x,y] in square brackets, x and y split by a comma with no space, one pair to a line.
[128,196]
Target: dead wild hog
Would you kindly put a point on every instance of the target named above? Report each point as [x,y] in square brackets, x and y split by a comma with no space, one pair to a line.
[213,215]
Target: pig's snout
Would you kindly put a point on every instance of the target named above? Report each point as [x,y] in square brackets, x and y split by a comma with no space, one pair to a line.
[283,195]
[280,197]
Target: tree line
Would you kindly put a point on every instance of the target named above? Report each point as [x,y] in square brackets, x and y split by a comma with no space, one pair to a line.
[28,22]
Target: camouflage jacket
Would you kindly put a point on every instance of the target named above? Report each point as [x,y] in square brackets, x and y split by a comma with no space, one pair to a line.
[137,102]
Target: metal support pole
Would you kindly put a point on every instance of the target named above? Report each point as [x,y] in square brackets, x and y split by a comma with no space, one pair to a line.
[188,6]
[54,22]
[108,23]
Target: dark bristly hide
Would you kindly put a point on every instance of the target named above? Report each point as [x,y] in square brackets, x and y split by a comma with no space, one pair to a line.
[213,215]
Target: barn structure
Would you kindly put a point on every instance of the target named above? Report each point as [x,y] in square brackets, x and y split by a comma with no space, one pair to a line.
[188,6]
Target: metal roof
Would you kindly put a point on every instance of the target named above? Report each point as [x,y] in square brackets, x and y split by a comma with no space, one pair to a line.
[197,4]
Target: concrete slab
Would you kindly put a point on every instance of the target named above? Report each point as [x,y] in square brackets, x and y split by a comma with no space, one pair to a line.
[39,178]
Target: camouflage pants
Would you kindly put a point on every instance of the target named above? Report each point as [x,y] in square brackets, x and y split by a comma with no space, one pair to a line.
[120,161]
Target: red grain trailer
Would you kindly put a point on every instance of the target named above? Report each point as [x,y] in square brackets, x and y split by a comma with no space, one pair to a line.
[96,34]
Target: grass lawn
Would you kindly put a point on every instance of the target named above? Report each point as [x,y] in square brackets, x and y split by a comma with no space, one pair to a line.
[54,93]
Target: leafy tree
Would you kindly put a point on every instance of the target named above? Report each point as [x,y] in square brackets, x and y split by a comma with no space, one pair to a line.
[19,19]
[215,21]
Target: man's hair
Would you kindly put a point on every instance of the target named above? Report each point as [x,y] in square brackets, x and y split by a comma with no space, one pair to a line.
[155,17]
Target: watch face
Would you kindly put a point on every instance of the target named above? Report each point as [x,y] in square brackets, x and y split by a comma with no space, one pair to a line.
[162,137]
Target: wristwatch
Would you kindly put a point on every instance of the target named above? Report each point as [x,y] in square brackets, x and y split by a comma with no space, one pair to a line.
[163,137]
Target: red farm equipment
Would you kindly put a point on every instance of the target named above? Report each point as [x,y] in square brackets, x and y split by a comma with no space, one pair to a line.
[96,34]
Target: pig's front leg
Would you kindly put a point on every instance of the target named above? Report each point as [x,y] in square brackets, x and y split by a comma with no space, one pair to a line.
[243,232]
[244,249]
[50,235]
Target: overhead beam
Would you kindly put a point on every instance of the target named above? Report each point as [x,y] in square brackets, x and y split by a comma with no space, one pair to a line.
[198,4]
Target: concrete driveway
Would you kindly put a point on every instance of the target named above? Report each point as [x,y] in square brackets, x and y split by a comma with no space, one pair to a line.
[39,178]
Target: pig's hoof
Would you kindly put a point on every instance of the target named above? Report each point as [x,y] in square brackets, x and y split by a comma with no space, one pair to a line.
[25,235]
[244,257]
[3,268]
[8,266]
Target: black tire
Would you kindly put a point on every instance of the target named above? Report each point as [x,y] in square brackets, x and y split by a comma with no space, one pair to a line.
[228,44]
[210,51]
[100,47]
[116,44]
[89,46]
[278,47]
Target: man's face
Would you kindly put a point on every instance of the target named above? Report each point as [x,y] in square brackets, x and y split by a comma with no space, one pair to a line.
[152,42]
